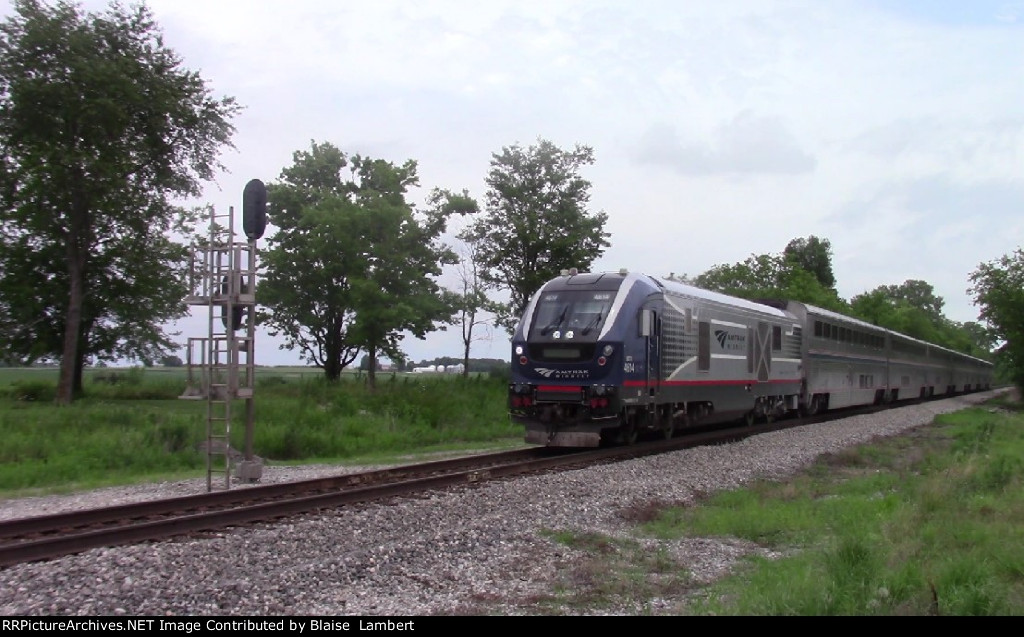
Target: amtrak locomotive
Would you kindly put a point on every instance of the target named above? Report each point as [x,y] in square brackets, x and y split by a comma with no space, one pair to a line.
[606,357]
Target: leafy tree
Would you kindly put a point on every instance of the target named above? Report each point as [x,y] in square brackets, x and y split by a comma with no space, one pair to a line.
[30,309]
[535,222]
[100,126]
[769,276]
[980,340]
[472,302]
[800,285]
[756,277]
[304,292]
[396,292]
[351,268]
[970,338]
[813,255]
[919,295]
[910,308]
[172,361]
[471,294]
[914,322]
[875,307]
[998,289]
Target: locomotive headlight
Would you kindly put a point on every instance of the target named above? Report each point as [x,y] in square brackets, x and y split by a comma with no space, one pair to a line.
[608,349]
[519,350]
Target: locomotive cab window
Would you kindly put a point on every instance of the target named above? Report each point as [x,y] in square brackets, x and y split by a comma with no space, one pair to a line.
[571,314]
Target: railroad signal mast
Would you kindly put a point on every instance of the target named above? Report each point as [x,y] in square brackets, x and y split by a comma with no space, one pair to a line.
[221,365]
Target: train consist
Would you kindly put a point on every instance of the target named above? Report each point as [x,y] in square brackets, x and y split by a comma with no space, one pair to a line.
[607,357]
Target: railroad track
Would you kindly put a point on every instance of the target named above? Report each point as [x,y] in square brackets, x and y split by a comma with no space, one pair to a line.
[55,535]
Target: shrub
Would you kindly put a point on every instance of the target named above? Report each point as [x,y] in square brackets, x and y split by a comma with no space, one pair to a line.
[270,381]
[503,374]
[33,391]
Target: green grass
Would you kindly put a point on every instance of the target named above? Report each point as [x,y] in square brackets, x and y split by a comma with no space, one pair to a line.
[138,429]
[930,523]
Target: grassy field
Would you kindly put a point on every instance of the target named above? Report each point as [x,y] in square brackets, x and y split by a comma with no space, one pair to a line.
[926,524]
[151,375]
[132,426]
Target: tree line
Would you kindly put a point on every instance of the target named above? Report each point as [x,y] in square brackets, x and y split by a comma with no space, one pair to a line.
[102,127]
[803,272]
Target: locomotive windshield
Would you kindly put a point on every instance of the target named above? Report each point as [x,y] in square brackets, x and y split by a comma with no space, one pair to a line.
[571,314]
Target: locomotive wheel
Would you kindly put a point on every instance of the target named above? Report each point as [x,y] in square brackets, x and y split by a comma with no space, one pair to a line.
[609,437]
[815,405]
[628,435]
[629,432]
[668,425]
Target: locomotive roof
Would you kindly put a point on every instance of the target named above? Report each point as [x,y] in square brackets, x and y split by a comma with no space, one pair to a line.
[700,293]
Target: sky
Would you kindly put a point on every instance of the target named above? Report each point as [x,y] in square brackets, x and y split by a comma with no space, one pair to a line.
[720,129]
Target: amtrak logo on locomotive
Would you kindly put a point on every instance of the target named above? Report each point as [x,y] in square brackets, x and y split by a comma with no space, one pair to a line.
[731,342]
[562,373]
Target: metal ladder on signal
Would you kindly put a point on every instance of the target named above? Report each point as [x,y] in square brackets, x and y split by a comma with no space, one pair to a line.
[228,368]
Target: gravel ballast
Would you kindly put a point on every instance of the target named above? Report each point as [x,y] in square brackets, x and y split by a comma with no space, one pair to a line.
[468,551]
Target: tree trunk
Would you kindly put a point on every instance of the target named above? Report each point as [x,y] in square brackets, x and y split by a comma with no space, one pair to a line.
[77,253]
[468,320]
[371,377]
[85,328]
[76,380]
[332,351]
[69,356]
[332,368]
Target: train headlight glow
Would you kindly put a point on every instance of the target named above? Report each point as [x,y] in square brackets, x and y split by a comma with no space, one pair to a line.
[519,350]
[608,349]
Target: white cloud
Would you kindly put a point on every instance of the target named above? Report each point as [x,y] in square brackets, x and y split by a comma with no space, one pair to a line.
[720,130]
[747,144]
